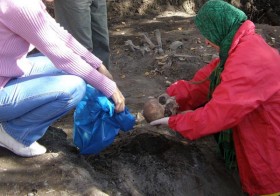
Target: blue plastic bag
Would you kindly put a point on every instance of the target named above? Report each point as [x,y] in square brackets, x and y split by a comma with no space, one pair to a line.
[96,124]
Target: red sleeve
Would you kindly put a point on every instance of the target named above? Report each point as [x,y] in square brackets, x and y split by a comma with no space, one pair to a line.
[238,94]
[192,94]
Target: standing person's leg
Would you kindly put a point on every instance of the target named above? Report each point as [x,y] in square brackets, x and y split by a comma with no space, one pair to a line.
[100,34]
[30,104]
[86,20]
[75,17]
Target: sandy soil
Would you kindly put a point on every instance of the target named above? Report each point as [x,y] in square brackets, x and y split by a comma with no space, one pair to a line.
[147,160]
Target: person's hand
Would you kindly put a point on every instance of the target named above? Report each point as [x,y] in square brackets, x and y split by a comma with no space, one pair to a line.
[161,121]
[119,100]
[102,69]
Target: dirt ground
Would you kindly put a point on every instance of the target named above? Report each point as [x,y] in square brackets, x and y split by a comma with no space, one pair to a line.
[147,160]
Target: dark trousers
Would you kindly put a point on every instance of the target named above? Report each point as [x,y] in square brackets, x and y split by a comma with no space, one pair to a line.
[86,20]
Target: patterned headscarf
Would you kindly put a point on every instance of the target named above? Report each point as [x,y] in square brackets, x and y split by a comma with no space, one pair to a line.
[218,21]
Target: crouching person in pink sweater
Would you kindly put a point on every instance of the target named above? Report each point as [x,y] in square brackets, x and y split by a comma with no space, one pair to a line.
[36,91]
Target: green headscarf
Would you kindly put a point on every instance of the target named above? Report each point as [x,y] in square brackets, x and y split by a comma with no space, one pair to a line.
[218,21]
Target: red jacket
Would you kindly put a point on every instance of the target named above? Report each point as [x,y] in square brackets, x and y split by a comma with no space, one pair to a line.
[247,100]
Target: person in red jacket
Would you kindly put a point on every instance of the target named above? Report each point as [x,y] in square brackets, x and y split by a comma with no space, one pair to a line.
[239,92]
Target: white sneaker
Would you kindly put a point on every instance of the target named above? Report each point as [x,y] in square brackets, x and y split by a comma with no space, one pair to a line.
[11,144]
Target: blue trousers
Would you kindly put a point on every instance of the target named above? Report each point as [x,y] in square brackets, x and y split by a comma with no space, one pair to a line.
[87,21]
[31,103]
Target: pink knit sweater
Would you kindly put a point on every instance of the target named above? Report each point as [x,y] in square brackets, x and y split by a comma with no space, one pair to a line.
[27,23]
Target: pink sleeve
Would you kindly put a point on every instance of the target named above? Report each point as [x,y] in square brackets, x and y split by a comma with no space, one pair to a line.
[72,43]
[30,21]
[190,95]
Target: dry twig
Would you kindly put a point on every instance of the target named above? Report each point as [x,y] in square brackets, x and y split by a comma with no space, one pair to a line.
[158,37]
[148,40]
